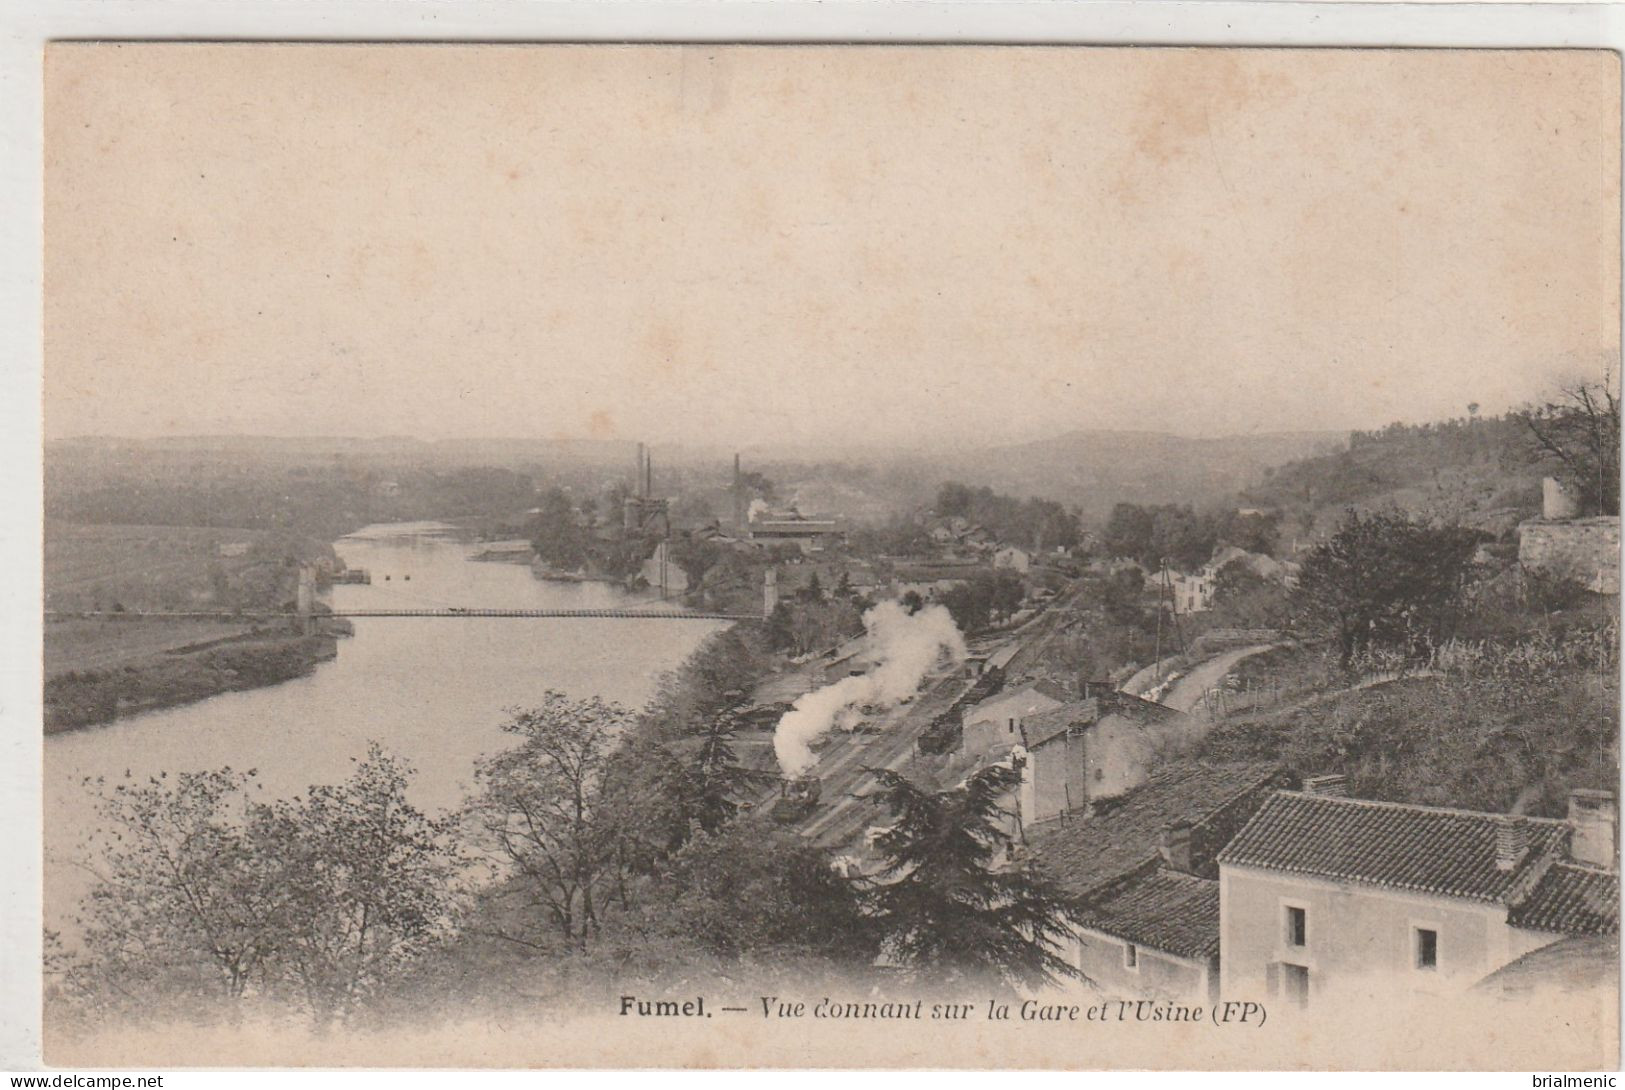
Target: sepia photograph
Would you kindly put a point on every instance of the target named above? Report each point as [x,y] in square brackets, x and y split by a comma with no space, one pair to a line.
[830,556]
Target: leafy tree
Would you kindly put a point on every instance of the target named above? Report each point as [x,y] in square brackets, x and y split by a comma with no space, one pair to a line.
[947,908]
[184,902]
[1243,598]
[783,902]
[1255,532]
[1577,435]
[912,601]
[537,812]
[205,890]
[1128,531]
[1385,580]
[366,881]
[558,537]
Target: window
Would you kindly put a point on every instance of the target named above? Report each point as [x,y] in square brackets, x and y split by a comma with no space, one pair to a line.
[1297,926]
[1427,948]
[1131,956]
[1012,726]
[1295,984]
[1100,774]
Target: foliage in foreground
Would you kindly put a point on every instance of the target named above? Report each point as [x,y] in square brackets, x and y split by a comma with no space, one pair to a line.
[208,893]
[947,903]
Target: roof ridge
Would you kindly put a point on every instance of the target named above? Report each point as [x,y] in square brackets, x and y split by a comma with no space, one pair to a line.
[1454,811]
[1588,868]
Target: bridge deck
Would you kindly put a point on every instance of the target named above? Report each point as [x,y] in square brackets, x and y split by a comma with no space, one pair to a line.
[564,614]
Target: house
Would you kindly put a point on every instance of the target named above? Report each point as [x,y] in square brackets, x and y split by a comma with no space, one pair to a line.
[1191,593]
[1323,895]
[811,533]
[1142,878]
[993,727]
[1013,559]
[1091,749]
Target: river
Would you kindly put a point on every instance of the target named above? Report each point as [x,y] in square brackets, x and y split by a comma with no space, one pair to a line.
[432,690]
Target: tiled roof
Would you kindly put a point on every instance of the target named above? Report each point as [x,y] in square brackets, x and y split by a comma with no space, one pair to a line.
[1420,848]
[1043,687]
[1083,852]
[1041,728]
[1571,900]
[1575,964]
[1159,908]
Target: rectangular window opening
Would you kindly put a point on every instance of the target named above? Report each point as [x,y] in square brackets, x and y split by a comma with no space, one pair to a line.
[1295,984]
[1131,956]
[1427,948]
[1297,927]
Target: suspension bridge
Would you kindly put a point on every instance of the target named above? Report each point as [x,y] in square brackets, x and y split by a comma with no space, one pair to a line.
[449,611]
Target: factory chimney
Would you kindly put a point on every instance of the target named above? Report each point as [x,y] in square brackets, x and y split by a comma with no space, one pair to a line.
[739,494]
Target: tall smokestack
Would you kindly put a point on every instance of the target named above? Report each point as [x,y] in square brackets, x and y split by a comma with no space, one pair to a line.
[637,481]
[739,494]
[649,474]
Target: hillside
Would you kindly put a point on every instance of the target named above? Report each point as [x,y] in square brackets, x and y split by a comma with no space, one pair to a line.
[1474,472]
[1093,470]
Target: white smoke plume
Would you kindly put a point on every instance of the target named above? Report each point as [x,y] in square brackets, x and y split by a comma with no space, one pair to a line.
[758,508]
[903,649]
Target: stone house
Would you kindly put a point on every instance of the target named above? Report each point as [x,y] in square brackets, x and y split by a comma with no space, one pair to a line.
[1092,749]
[1143,879]
[993,727]
[1323,896]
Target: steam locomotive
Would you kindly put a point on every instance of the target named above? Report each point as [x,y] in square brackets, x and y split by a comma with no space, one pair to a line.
[798,796]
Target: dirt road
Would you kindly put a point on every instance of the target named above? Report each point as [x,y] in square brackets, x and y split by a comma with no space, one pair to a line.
[1186,694]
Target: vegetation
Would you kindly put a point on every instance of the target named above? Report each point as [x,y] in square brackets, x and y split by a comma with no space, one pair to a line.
[1577,437]
[1181,536]
[82,698]
[1506,726]
[208,895]
[984,598]
[1033,523]
[1384,580]
[948,904]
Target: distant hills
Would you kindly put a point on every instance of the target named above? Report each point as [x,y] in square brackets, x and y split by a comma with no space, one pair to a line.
[1095,469]
[1462,467]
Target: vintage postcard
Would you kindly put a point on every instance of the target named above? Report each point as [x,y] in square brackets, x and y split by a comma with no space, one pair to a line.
[831,556]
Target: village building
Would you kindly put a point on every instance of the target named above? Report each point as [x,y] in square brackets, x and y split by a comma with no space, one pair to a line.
[993,727]
[1323,895]
[1142,875]
[1013,559]
[811,533]
[1092,749]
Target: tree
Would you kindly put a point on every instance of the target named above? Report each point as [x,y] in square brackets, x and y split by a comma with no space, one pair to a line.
[1128,531]
[205,890]
[558,538]
[1578,436]
[537,811]
[184,903]
[947,909]
[366,880]
[1385,580]
[783,901]
[1245,599]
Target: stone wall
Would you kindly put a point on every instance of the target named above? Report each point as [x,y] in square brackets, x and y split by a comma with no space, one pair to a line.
[1584,550]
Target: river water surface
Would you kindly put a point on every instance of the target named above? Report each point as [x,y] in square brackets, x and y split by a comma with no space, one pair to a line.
[432,690]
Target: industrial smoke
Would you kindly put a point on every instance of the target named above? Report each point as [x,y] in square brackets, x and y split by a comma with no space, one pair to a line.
[902,647]
[758,509]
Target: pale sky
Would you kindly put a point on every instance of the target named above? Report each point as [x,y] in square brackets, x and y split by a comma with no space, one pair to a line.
[759,244]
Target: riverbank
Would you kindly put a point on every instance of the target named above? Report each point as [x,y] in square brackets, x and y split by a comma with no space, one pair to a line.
[87,698]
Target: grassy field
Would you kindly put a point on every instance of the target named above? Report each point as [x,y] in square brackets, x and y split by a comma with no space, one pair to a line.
[161,567]
[78,644]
